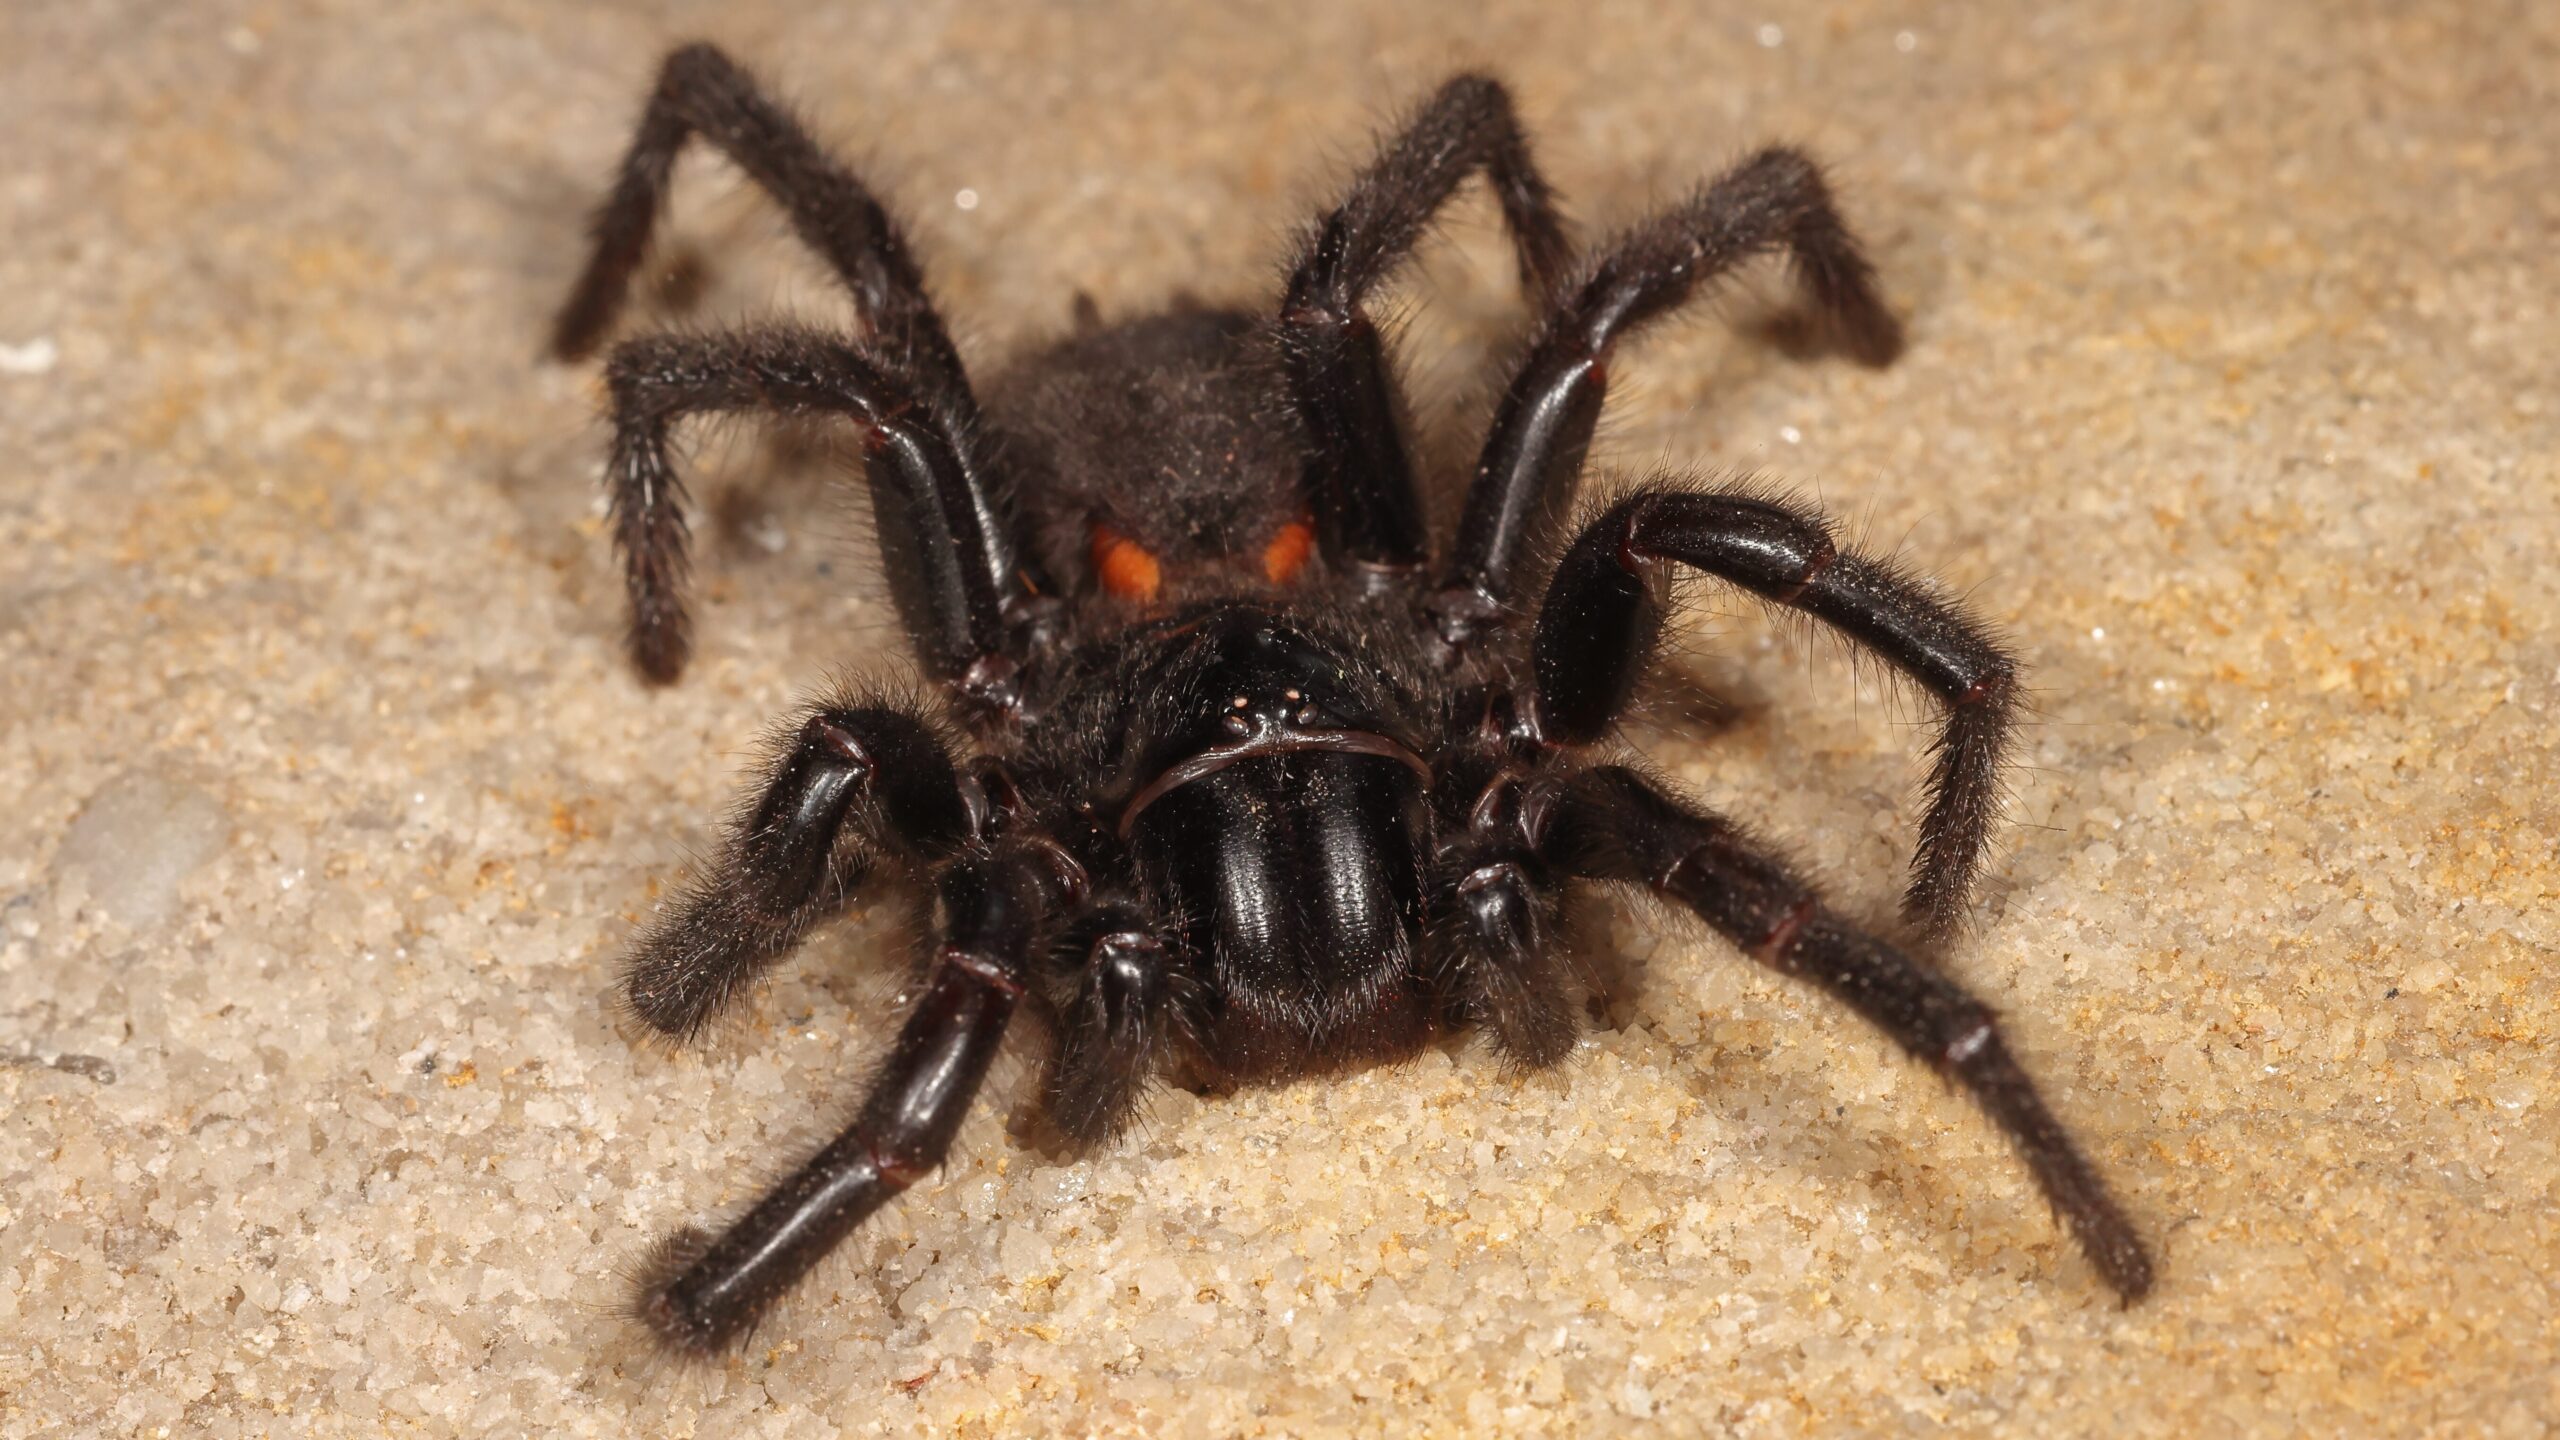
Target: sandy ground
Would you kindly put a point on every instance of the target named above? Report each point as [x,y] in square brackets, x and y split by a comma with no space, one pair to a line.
[2231,393]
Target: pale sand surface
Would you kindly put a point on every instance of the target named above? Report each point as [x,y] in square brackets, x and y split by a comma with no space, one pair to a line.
[331,800]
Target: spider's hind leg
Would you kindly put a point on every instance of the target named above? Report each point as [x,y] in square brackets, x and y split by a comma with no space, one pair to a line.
[955,570]
[1359,478]
[877,771]
[1615,825]
[964,589]
[701,91]
[1776,201]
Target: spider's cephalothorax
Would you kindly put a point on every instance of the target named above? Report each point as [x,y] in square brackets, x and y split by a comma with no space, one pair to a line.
[1244,787]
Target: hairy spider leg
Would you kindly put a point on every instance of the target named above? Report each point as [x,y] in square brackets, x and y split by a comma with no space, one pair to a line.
[996,904]
[1612,824]
[1541,432]
[703,92]
[1359,479]
[1114,1029]
[953,577]
[1503,904]
[1597,626]
[876,771]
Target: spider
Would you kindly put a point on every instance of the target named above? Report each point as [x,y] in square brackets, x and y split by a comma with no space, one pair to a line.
[1224,776]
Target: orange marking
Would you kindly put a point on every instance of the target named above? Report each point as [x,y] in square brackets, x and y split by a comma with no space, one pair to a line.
[1127,570]
[1288,551]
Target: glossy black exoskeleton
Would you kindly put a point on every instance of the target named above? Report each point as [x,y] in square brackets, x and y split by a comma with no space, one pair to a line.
[1223,778]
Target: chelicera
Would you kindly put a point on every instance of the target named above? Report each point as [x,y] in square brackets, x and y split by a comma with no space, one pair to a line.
[1231,772]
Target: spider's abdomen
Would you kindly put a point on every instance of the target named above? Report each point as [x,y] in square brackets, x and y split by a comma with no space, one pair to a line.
[1156,455]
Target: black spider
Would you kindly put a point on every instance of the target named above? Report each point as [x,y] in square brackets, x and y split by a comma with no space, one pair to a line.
[1243,794]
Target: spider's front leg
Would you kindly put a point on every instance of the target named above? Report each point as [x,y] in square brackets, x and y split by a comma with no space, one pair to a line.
[876,770]
[1596,630]
[1611,824]
[954,568]
[1359,479]
[996,905]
